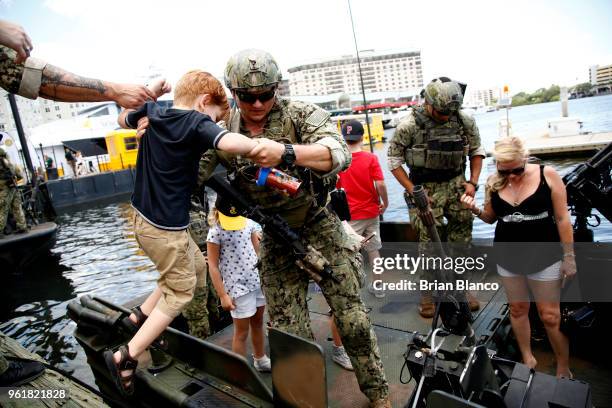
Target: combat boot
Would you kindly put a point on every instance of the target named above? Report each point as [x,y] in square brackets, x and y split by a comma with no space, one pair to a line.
[381,403]
[427,307]
[20,372]
[473,302]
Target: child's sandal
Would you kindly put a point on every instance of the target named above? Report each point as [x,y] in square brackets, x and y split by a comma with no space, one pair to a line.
[132,327]
[125,384]
[140,319]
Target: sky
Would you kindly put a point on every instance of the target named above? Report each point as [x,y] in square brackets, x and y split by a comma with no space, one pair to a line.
[525,44]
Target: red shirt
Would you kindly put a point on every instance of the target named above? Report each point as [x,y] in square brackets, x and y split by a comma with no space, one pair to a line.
[358,182]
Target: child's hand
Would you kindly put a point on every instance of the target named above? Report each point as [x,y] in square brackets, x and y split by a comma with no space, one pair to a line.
[267,153]
[160,86]
[227,303]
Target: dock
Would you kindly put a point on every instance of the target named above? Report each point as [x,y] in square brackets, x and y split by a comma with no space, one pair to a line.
[544,145]
[77,396]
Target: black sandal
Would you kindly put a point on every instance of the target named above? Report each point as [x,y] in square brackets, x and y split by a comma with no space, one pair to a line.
[125,385]
[132,327]
[140,319]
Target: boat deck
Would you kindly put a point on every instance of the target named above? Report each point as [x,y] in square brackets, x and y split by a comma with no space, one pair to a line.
[395,319]
[546,146]
[77,396]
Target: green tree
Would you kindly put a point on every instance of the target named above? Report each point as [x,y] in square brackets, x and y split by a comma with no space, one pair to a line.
[584,87]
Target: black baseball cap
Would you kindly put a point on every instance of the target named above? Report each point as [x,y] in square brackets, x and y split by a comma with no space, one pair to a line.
[352,130]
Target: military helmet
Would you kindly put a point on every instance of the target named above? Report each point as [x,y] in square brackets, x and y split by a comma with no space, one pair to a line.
[251,69]
[444,95]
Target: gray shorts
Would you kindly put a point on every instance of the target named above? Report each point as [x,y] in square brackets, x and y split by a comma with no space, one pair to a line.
[550,273]
[365,228]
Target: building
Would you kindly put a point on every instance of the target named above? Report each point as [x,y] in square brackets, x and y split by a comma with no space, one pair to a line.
[283,88]
[382,72]
[37,112]
[481,97]
[600,74]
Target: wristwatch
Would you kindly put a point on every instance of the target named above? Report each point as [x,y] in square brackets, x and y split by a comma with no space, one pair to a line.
[288,156]
[476,186]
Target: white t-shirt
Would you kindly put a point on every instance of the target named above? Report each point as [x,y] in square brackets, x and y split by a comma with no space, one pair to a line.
[237,258]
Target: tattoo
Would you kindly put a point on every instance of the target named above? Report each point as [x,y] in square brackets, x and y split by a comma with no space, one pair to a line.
[54,78]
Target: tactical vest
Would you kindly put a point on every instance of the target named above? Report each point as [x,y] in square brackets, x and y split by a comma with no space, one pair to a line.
[281,127]
[439,150]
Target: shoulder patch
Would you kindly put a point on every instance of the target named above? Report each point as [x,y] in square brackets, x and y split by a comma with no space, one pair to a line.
[317,118]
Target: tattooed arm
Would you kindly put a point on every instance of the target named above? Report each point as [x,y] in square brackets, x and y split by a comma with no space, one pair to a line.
[64,86]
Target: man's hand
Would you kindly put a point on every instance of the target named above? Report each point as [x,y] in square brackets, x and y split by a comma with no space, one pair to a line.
[382,208]
[469,189]
[267,153]
[143,124]
[15,37]
[160,86]
[131,96]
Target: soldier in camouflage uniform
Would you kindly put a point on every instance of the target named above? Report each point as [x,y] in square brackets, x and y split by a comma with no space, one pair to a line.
[202,313]
[306,144]
[10,198]
[433,141]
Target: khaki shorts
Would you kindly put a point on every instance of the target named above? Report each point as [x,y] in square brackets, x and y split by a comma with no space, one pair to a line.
[365,228]
[178,260]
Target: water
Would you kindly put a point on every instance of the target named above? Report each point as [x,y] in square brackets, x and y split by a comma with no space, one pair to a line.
[96,252]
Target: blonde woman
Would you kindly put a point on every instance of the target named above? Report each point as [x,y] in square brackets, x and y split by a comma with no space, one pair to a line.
[529,203]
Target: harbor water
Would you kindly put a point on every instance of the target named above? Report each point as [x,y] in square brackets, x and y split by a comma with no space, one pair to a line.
[96,252]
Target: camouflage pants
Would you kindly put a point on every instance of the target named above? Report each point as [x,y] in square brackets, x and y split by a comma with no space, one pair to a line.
[445,197]
[285,287]
[10,201]
[196,313]
[3,363]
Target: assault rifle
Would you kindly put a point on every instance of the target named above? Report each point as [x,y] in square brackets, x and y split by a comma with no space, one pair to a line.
[306,257]
[589,186]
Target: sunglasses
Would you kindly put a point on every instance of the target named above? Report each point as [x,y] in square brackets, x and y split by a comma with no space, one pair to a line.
[252,98]
[517,171]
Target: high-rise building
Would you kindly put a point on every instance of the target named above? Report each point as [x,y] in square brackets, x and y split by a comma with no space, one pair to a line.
[36,112]
[600,74]
[481,97]
[382,71]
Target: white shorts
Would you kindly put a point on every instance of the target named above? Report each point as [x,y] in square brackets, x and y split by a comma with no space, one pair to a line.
[365,228]
[550,273]
[246,305]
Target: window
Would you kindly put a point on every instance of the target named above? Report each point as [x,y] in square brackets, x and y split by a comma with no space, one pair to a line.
[56,107]
[47,110]
[130,143]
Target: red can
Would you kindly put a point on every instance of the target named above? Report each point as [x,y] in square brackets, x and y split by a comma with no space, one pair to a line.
[278,180]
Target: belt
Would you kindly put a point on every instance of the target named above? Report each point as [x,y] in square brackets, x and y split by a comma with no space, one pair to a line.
[433,176]
[518,217]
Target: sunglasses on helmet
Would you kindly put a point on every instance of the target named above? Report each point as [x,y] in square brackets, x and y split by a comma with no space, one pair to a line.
[516,171]
[252,98]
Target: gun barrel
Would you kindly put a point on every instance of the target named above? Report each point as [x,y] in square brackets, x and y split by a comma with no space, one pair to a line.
[82,314]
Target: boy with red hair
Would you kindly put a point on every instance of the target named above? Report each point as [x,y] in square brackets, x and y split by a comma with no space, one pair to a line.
[166,171]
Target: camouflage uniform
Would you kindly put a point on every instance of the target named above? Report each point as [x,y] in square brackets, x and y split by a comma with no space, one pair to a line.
[22,79]
[406,148]
[283,283]
[203,311]
[4,364]
[10,198]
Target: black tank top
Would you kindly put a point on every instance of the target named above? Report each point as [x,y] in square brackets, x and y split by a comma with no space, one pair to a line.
[533,257]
